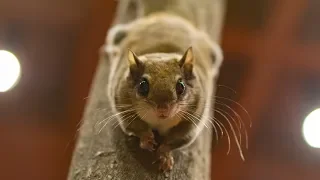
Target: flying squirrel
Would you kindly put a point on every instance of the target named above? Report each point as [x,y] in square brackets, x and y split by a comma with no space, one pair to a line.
[162,77]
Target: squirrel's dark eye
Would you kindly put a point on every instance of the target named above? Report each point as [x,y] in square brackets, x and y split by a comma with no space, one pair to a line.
[180,87]
[143,88]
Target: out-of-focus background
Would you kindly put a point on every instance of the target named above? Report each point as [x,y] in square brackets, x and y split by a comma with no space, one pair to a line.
[271,48]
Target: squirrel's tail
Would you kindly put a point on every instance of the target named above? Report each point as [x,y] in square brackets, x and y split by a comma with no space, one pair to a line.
[128,10]
[206,15]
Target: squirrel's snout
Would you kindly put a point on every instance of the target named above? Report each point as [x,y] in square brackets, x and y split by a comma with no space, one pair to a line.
[163,111]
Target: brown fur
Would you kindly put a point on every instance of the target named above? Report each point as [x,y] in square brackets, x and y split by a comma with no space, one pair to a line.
[160,44]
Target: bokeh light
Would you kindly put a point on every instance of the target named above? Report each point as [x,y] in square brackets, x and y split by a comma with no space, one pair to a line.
[9,70]
[311,129]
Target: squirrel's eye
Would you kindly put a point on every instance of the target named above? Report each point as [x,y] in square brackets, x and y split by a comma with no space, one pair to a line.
[180,87]
[143,88]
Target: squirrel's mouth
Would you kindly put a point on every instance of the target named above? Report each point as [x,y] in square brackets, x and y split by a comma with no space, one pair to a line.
[162,116]
[164,113]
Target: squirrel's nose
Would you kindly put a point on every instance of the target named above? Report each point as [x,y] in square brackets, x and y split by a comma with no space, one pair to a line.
[163,110]
[163,106]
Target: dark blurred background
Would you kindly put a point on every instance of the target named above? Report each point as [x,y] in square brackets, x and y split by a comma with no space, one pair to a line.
[271,49]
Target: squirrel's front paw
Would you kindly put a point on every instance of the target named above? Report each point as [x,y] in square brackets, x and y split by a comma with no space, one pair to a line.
[166,162]
[165,158]
[148,142]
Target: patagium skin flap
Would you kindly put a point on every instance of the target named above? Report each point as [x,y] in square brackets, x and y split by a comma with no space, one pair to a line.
[162,79]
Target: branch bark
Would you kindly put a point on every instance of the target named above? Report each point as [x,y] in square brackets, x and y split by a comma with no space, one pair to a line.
[112,155]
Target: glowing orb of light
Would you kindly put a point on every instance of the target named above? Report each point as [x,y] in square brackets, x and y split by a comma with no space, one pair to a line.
[311,129]
[9,70]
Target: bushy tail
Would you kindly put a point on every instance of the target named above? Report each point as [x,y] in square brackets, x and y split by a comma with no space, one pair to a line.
[206,15]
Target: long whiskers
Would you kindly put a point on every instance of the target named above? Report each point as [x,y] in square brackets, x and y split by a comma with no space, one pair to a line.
[227,87]
[233,120]
[249,117]
[123,119]
[185,115]
[133,117]
[235,124]
[222,128]
[241,124]
[234,134]
[114,116]
[215,98]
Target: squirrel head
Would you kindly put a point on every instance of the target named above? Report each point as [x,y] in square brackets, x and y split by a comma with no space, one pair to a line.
[160,85]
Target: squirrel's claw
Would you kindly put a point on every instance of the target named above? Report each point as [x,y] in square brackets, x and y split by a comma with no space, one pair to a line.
[166,163]
[148,143]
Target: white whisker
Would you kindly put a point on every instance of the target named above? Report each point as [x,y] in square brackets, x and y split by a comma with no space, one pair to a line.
[234,121]
[123,119]
[241,123]
[234,134]
[190,119]
[250,120]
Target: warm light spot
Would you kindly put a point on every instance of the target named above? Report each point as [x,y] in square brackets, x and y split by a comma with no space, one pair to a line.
[311,129]
[9,70]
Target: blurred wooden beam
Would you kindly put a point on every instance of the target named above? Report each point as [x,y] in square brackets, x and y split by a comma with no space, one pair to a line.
[45,11]
[270,46]
[262,169]
[275,38]
[278,34]
[302,59]
[282,30]
[239,40]
[85,58]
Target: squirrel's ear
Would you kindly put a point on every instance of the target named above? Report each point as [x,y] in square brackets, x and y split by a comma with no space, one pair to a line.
[186,63]
[133,59]
[187,58]
[135,64]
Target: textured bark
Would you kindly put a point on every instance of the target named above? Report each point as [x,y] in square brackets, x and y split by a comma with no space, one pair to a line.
[112,155]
